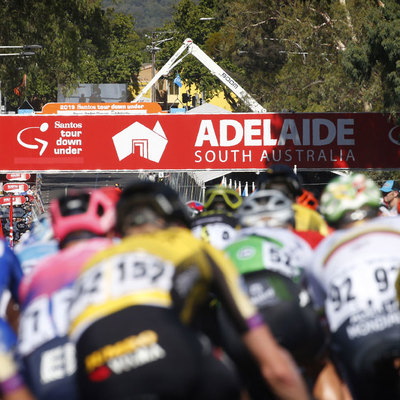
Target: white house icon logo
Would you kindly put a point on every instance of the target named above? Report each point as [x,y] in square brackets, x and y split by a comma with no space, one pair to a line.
[138,139]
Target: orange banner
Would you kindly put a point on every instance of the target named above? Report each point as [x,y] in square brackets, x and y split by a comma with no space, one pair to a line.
[100,108]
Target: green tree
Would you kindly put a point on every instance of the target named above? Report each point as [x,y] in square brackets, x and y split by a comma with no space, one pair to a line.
[81,43]
[301,55]
[201,21]
[374,61]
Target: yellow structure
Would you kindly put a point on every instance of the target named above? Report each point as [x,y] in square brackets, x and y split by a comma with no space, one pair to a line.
[168,94]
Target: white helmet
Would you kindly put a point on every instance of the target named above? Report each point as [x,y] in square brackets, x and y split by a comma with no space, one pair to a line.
[266,208]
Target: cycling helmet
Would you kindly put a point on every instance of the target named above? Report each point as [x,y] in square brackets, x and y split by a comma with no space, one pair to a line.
[307,199]
[266,208]
[221,195]
[84,211]
[195,208]
[280,174]
[349,198]
[195,205]
[142,201]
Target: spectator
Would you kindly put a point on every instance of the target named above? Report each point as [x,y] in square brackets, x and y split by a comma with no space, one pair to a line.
[391,203]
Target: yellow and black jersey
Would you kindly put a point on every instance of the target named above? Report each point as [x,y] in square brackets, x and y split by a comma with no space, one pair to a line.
[170,269]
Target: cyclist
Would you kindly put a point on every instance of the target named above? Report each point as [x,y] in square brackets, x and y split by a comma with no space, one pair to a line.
[80,222]
[352,278]
[10,274]
[135,304]
[282,177]
[36,244]
[272,260]
[217,224]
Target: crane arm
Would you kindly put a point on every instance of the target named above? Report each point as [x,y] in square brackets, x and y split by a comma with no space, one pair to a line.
[212,66]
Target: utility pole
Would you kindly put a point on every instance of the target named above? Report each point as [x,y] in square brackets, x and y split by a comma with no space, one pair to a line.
[153,50]
[153,66]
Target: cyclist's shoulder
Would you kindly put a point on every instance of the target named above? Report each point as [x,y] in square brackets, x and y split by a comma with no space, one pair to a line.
[173,243]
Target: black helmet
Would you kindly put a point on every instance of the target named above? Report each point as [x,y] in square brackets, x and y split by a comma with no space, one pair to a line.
[280,174]
[160,198]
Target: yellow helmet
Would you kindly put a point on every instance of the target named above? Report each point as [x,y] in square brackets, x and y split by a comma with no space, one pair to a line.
[221,195]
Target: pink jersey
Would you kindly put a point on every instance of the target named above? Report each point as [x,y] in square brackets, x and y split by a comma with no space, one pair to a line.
[46,353]
[59,270]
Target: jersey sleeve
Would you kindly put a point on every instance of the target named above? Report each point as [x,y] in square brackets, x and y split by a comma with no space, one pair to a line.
[229,288]
[10,271]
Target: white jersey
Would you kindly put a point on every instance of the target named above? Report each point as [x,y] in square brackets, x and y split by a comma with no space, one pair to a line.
[353,276]
[216,228]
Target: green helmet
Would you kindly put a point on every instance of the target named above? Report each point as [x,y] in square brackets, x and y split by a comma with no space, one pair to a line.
[347,194]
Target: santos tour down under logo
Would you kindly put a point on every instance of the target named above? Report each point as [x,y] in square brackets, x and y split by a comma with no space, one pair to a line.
[138,139]
[40,143]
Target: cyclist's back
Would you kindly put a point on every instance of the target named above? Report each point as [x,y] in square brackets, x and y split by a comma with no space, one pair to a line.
[353,277]
[47,356]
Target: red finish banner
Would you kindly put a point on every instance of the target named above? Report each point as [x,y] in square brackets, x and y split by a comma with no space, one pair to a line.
[198,142]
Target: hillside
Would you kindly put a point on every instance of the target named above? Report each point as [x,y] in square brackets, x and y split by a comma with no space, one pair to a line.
[149,14]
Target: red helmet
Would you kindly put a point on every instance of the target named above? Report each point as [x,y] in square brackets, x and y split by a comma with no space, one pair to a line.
[307,199]
[90,211]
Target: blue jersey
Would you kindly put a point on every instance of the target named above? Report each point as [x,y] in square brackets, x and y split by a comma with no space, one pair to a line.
[10,271]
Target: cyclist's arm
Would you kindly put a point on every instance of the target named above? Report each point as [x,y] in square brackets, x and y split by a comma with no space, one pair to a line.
[276,364]
[12,271]
[12,386]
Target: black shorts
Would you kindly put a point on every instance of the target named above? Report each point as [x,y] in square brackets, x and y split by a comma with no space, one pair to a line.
[292,320]
[146,353]
[287,309]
